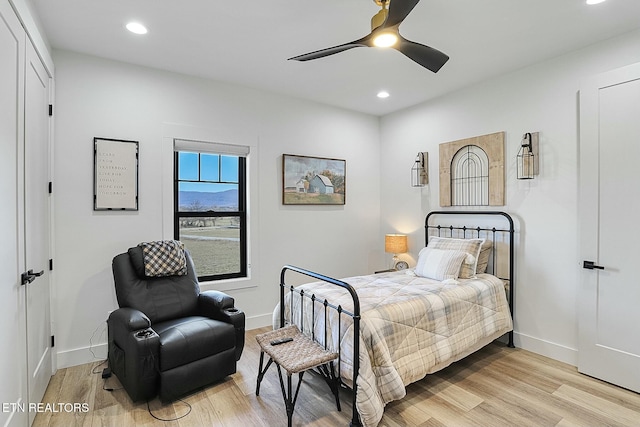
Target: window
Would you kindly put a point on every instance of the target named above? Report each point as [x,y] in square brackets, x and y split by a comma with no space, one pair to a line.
[210,215]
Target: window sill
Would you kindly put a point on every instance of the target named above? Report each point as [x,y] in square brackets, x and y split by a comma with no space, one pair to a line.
[228,284]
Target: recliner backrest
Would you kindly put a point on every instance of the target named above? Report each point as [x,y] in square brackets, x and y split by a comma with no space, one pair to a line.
[159,298]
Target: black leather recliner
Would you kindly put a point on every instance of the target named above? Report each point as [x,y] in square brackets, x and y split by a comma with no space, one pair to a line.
[168,338]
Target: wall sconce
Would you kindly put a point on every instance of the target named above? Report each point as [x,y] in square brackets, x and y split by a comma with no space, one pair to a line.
[420,170]
[528,158]
[396,244]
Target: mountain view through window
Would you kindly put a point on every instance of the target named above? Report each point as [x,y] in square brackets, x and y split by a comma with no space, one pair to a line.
[210,217]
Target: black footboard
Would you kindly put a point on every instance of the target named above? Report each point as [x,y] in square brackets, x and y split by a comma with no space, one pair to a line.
[355,315]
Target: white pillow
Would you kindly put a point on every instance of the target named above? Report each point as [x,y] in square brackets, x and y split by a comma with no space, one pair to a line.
[439,264]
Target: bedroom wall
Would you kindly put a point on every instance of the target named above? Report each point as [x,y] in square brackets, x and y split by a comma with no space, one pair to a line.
[97,97]
[539,98]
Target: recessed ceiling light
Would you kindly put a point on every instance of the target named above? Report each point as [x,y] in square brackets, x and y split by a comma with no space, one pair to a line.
[595,1]
[383,94]
[137,28]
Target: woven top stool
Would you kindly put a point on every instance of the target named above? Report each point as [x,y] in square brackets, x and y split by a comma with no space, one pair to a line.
[295,357]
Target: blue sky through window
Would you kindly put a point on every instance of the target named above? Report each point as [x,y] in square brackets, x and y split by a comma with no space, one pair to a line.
[216,180]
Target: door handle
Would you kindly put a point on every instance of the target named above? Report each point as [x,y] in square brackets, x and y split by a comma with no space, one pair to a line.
[590,265]
[30,276]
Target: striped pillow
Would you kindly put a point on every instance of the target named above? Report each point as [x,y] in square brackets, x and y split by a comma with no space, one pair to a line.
[483,258]
[470,246]
[439,264]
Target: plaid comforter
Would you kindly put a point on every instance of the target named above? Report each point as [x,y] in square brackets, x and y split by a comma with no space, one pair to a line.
[410,326]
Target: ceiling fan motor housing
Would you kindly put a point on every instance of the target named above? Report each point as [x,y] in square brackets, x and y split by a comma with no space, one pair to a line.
[379,18]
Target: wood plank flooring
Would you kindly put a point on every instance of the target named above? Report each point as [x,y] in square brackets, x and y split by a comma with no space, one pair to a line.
[496,386]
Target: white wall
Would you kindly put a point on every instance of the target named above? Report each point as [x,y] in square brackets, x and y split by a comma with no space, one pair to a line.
[97,97]
[540,98]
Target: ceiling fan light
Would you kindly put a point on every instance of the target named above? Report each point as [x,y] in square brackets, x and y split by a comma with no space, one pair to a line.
[385,40]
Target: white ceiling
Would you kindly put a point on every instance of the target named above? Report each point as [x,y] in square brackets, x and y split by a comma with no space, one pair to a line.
[247,42]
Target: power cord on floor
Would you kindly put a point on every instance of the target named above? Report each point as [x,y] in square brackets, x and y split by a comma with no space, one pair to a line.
[106,374]
[93,371]
[170,419]
[156,366]
[110,388]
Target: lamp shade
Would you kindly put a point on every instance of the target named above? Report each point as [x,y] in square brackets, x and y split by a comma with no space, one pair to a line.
[395,243]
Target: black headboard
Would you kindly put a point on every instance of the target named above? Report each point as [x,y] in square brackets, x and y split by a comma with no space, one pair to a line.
[496,226]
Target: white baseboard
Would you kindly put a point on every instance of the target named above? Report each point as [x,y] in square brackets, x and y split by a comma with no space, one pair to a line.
[80,356]
[259,321]
[97,352]
[546,348]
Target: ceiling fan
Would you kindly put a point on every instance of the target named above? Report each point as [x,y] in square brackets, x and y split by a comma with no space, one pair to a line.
[384,33]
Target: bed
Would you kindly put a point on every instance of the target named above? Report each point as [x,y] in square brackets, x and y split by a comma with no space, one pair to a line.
[404,325]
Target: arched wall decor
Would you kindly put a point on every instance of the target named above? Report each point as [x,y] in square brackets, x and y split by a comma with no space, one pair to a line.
[493,145]
[470,177]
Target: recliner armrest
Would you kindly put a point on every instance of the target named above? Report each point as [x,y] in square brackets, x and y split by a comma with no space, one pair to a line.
[130,318]
[220,306]
[211,303]
[237,319]
[133,352]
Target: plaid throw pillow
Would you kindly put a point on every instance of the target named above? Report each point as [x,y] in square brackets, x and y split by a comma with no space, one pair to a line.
[164,258]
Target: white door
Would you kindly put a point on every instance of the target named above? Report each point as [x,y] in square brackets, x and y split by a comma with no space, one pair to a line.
[13,375]
[609,294]
[36,164]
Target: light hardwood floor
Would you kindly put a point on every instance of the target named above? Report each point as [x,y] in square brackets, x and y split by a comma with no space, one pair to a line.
[497,386]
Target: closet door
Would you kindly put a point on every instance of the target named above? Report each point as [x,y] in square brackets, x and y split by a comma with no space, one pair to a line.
[37,225]
[13,375]
[609,337]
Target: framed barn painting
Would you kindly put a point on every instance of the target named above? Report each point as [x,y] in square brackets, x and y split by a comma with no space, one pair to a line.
[313,180]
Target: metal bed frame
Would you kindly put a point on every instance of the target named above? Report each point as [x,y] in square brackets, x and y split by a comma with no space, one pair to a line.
[460,231]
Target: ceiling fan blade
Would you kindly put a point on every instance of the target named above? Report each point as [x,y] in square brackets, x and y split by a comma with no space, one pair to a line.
[430,58]
[398,10]
[363,42]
